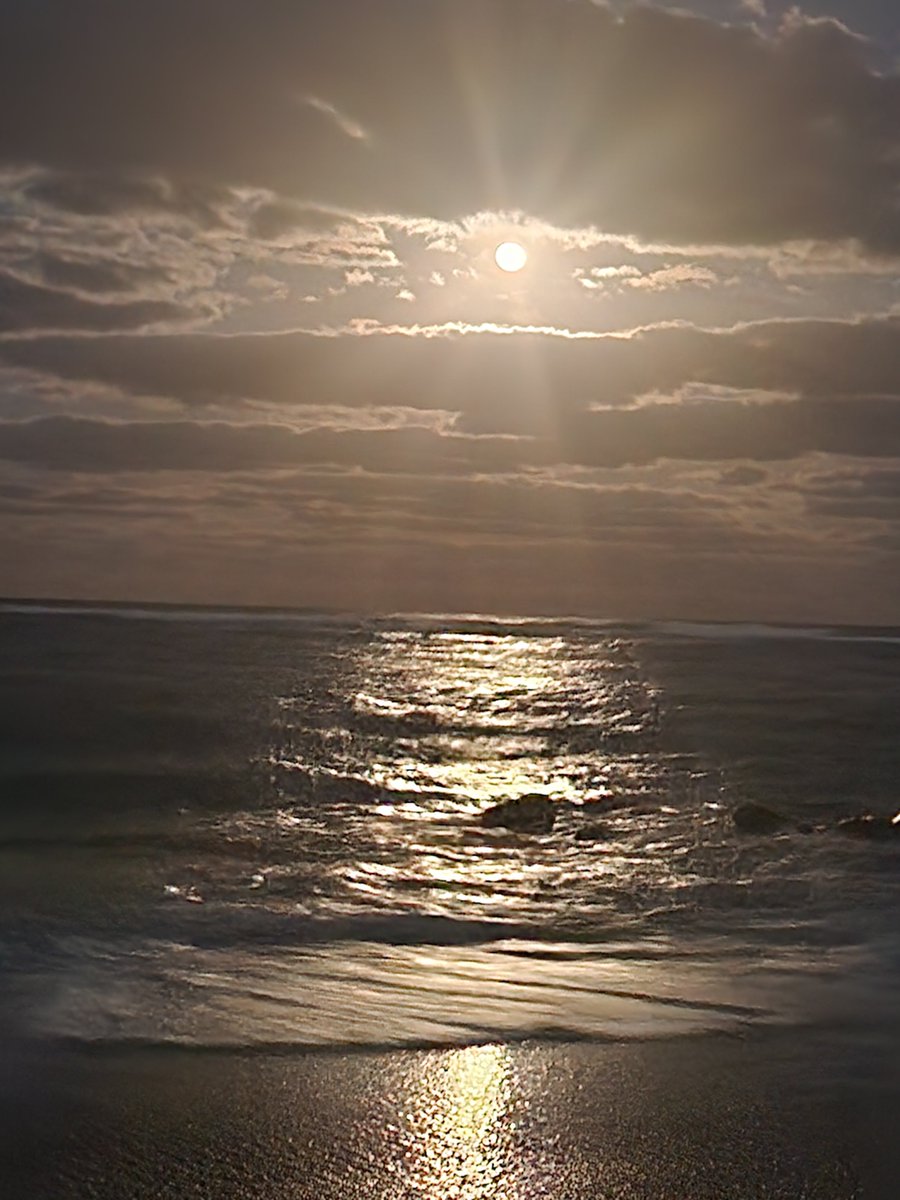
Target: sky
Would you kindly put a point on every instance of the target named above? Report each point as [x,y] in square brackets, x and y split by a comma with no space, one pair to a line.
[255,347]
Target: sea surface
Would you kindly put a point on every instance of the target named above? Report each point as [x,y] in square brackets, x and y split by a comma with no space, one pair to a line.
[260,831]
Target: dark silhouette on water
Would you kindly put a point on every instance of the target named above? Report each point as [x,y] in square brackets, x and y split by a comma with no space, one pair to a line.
[759,819]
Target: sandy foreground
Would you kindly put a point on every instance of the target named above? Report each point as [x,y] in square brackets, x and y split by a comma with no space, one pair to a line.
[773,1114]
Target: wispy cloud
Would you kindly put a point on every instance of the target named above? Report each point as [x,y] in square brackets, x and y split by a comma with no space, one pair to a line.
[346,124]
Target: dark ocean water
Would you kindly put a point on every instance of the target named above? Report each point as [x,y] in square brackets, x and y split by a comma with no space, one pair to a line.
[262,830]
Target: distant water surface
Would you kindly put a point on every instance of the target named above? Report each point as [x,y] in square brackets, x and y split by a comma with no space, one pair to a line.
[262,830]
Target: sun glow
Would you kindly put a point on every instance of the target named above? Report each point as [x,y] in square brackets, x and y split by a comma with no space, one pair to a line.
[511,256]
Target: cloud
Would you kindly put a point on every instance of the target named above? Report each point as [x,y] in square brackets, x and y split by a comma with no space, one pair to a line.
[743,476]
[517,383]
[511,543]
[672,277]
[95,193]
[26,307]
[654,391]
[100,275]
[354,538]
[273,218]
[349,506]
[655,123]
[356,277]
[714,431]
[346,124]
[858,492]
[661,280]
[717,431]
[84,445]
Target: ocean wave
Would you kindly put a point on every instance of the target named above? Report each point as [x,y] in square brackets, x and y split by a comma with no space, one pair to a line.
[178,613]
[167,996]
[747,630]
[403,626]
[716,630]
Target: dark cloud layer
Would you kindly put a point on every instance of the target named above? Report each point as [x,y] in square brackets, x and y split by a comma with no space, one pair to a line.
[104,193]
[502,384]
[706,432]
[28,306]
[508,544]
[659,124]
[99,275]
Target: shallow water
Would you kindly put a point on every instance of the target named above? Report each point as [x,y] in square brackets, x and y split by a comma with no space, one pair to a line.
[257,830]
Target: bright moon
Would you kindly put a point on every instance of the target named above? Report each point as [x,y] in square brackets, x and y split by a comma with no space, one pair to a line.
[510,256]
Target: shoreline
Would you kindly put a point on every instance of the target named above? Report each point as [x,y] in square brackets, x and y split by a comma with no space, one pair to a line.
[782,1113]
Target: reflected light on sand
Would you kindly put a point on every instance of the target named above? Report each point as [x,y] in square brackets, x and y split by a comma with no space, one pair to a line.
[456,1126]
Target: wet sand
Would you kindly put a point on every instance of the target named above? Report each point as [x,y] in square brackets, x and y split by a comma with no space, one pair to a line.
[773,1114]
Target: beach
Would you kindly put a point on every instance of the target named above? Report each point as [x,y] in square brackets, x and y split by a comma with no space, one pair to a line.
[710,1117]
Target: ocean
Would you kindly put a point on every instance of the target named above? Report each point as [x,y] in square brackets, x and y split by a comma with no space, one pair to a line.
[260,831]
